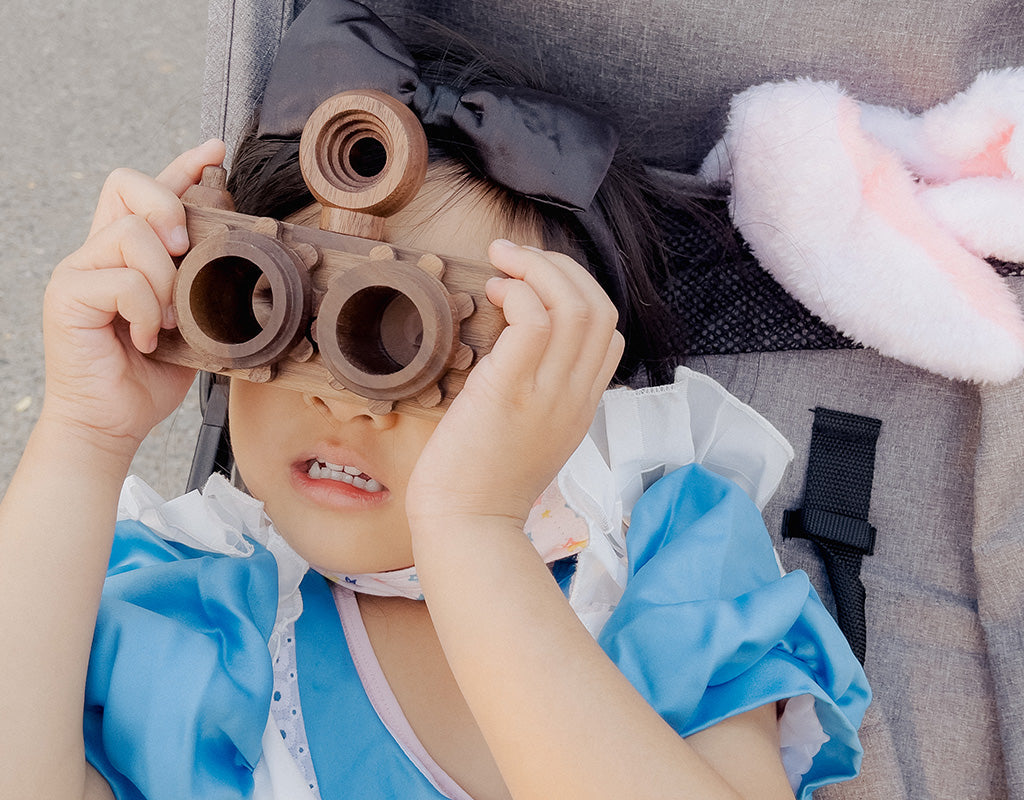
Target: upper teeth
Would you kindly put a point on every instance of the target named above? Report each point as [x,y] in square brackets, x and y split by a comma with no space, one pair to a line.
[320,470]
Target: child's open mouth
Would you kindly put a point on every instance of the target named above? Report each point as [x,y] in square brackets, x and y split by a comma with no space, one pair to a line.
[325,470]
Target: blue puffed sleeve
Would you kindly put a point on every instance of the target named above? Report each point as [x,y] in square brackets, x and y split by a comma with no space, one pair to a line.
[180,678]
[707,628]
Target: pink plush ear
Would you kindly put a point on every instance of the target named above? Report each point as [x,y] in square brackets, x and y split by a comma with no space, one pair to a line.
[836,218]
[985,215]
[980,131]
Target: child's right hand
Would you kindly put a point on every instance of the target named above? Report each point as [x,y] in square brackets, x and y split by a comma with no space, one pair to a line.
[107,301]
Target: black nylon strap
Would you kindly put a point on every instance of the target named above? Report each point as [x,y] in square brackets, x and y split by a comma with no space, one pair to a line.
[212,453]
[837,496]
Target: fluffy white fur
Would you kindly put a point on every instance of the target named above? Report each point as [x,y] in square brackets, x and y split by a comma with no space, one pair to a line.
[878,220]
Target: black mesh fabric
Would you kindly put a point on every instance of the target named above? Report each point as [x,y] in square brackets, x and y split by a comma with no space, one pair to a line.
[723,302]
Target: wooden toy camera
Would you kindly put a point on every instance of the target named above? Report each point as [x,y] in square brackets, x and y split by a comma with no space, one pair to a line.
[333,311]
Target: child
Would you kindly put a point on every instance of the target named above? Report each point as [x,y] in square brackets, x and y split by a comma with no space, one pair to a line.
[210,672]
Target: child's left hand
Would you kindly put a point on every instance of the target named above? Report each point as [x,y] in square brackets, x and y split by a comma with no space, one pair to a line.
[508,634]
[528,403]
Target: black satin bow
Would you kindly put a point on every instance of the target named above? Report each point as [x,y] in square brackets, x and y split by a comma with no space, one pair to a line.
[536,144]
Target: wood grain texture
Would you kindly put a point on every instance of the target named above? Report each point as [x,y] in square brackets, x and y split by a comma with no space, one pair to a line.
[326,255]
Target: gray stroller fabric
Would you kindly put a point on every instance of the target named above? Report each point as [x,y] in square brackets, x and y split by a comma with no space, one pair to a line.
[943,592]
[945,587]
[667,70]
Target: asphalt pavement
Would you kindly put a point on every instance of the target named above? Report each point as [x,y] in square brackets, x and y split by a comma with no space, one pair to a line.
[87,87]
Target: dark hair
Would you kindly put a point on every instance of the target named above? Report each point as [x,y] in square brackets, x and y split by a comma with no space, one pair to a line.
[266,181]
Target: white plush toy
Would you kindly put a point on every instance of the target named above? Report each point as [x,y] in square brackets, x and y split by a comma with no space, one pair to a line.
[879,220]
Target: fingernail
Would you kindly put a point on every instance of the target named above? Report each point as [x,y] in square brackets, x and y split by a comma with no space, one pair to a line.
[178,239]
[504,243]
[170,318]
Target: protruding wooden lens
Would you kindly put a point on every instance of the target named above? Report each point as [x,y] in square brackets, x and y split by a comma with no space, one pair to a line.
[242,299]
[387,330]
[363,151]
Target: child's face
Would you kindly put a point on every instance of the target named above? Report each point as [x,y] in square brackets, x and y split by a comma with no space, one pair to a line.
[277,435]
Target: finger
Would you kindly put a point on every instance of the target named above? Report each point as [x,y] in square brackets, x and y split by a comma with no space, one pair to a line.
[521,345]
[599,322]
[605,313]
[613,355]
[129,242]
[517,265]
[533,266]
[93,300]
[582,316]
[128,192]
[187,169]
[585,282]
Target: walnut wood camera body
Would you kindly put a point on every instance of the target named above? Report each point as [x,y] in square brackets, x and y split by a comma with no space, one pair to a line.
[324,311]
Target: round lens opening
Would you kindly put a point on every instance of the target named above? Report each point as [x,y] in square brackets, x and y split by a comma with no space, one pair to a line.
[379,330]
[222,297]
[368,157]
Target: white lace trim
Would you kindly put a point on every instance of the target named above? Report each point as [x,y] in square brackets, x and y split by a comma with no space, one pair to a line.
[286,710]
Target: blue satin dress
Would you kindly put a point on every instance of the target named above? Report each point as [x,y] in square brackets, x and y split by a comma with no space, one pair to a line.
[180,679]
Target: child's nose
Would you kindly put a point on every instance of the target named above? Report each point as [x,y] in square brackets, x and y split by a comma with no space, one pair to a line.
[340,411]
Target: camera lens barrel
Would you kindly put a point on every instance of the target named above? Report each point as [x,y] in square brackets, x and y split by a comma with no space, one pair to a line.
[364,152]
[387,330]
[243,299]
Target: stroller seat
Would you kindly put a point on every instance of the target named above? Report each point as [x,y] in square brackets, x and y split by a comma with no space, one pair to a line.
[945,583]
